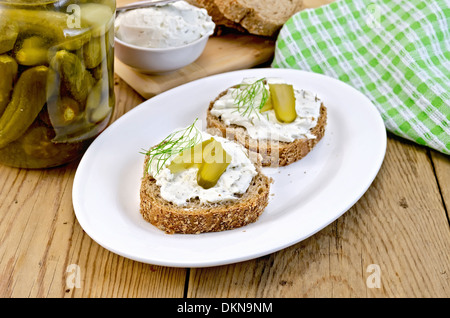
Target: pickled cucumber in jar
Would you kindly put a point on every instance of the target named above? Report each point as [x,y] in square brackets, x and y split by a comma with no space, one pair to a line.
[57,87]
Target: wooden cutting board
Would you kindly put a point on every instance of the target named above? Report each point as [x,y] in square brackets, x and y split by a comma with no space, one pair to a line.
[223,53]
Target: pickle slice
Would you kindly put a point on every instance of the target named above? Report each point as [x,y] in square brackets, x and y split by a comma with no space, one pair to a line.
[283,100]
[36,142]
[268,105]
[189,158]
[215,162]
[210,158]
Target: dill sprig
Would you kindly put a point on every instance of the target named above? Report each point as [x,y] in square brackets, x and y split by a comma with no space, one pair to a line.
[173,144]
[246,97]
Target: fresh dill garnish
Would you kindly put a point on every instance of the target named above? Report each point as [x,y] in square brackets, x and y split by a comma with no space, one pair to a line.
[246,97]
[173,144]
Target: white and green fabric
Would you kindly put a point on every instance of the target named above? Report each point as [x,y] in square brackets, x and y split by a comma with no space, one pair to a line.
[396,52]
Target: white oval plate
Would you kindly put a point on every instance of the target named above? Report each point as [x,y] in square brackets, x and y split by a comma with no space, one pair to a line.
[305,197]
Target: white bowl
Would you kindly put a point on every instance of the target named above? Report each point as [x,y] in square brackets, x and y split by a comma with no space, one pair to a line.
[159,60]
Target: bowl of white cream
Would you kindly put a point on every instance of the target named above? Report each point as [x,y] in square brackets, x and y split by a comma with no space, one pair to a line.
[163,38]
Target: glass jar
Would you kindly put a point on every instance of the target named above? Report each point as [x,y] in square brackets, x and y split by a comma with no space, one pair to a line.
[57,78]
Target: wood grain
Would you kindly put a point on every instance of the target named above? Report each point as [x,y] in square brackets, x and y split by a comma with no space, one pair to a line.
[399,225]
[41,241]
[441,164]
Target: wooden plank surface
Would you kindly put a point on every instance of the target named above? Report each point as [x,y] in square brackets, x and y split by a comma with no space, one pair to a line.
[400,225]
[397,235]
[45,253]
[399,229]
[442,170]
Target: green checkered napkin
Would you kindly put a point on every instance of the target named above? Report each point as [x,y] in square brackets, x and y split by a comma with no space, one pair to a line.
[396,52]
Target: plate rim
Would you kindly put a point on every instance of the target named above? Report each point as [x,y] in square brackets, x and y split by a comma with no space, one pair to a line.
[225,260]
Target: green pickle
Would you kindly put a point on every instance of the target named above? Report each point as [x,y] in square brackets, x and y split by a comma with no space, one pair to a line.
[27,100]
[189,158]
[97,103]
[33,51]
[77,79]
[268,105]
[92,52]
[9,30]
[50,24]
[215,162]
[57,86]
[68,110]
[8,69]
[283,100]
[209,157]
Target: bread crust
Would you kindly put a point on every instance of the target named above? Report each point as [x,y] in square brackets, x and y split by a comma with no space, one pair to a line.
[219,19]
[273,153]
[198,218]
[258,17]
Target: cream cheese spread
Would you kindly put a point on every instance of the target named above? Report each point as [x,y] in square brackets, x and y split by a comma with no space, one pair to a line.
[181,187]
[171,25]
[265,126]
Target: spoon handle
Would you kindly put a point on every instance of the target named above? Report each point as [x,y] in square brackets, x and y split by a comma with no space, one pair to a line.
[143,4]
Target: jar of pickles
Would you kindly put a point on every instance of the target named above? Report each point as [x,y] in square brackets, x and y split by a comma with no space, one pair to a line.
[56,78]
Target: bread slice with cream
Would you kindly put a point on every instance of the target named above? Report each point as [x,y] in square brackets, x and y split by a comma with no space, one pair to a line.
[274,152]
[199,218]
[175,202]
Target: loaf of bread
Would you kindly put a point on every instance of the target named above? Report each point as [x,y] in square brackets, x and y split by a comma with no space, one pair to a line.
[259,17]
[272,153]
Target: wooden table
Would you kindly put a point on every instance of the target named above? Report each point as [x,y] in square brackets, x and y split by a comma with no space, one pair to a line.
[394,242]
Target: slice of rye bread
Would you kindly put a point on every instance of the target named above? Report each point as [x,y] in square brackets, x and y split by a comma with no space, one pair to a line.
[259,17]
[218,18]
[272,153]
[198,217]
